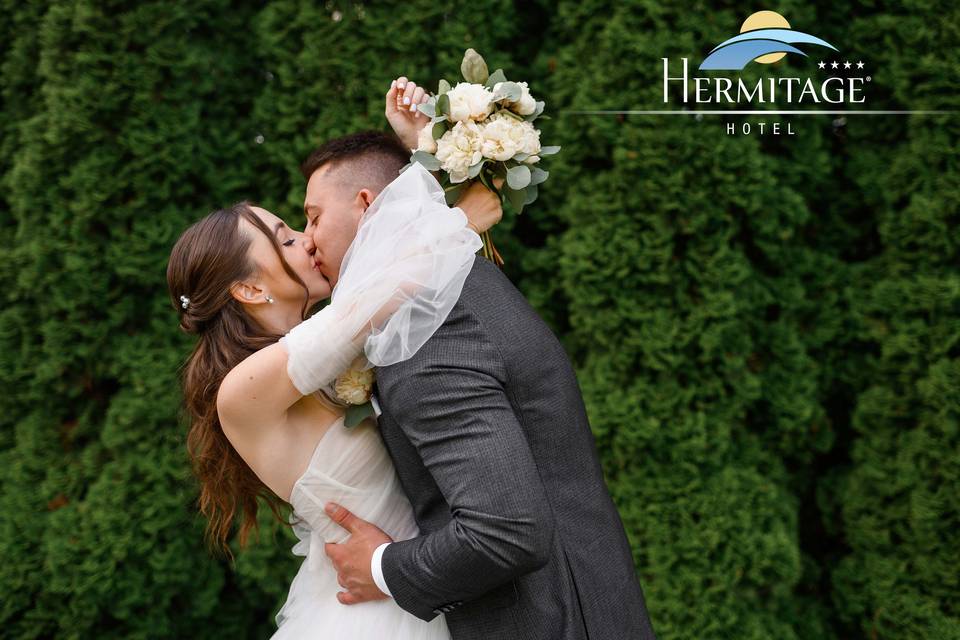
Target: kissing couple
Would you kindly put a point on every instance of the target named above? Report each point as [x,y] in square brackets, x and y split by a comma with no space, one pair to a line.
[471,503]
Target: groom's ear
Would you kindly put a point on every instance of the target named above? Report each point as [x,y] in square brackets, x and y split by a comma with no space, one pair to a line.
[365,198]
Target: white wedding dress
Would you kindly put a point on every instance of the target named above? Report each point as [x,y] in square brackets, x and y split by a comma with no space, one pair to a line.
[398,281]
[351,467]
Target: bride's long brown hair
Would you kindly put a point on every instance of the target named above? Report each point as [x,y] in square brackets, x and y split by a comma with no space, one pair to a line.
[206,260]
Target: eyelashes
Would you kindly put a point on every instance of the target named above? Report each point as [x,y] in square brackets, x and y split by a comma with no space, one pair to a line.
[289,242]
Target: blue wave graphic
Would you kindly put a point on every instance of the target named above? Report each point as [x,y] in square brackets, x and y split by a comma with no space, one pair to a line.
[735,53]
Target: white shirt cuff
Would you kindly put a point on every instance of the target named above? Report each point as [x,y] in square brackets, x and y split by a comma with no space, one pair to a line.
[377,570]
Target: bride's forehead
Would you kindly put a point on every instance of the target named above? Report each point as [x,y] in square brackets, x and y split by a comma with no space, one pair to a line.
[267,217]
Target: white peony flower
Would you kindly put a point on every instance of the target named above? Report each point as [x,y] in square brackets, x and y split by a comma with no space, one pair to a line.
[525,105]
[459,148]
[469,102]
[354,386]
[505,137]
[425,141]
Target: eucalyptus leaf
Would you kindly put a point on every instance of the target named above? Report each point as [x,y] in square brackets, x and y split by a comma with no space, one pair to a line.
[532,192]
[520,156]
[516,198]
[439,128]
[537,175]
[509,90]
[548,151]
[452,194]
[429,162]
[427,109]
[518,177]
[443,87]
[443,105]
[473,67]
[355,414]
[474,170]
[536,113]
[495,77]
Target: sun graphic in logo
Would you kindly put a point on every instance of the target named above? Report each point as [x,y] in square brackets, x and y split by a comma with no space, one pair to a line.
[764,37]
[765,20]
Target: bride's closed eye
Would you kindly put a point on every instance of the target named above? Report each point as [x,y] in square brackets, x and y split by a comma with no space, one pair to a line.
[289,242]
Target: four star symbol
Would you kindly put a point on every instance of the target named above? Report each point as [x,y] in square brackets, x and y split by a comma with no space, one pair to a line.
[833,65]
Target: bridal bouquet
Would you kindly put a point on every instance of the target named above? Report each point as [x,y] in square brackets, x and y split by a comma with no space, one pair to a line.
[481,129]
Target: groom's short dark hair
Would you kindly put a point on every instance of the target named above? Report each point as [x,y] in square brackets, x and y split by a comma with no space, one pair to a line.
[374,156]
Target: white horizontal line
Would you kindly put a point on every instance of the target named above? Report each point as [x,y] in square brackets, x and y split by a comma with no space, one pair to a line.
[805,112]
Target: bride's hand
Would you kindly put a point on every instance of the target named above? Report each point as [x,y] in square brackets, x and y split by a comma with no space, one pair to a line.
[482,206]
[401,110]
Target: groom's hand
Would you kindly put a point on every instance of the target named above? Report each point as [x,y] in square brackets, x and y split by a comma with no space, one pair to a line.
[351,558]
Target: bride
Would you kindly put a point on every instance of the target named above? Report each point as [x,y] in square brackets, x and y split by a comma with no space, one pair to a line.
[260,384]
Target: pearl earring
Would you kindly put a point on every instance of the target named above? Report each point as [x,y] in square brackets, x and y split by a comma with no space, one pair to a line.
[270,300]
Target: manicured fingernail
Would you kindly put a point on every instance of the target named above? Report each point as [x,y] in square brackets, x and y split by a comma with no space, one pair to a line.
[406,99]
[331,508]
[393,84]
[413,107]
[401,85]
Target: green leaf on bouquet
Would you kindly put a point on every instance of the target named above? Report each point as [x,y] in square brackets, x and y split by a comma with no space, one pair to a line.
[545,117]
[486,179]
[518,177]
[443,105]
[355,414]
[509,90]
[532,192]
[495,77]
[533,116]
[473,67]
[428,160]
[520,156]
[427,108]
[443,87]
[516,198]
[474,170]
[548,151]
[439,128]
[515,116]
[537,175]
[452,193]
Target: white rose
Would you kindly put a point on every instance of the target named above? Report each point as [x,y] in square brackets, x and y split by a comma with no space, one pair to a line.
[425,141]
[353,386]
[525,105]
[459,148]
[469,102]
[505,137]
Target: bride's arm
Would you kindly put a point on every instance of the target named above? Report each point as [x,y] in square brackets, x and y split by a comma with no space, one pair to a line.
[399,279]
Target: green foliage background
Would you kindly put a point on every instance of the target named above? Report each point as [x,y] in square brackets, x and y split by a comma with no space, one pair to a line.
[766,329]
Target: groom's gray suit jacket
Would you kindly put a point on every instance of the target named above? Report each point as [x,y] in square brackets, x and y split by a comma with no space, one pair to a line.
[519,538]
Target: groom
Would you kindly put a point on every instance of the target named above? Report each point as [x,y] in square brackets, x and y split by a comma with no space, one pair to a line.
[488,432]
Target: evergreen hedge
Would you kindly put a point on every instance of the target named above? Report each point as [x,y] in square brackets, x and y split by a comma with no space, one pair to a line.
[766,329]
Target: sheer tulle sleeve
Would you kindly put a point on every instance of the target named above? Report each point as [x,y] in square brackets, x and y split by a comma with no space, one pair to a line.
[398,282]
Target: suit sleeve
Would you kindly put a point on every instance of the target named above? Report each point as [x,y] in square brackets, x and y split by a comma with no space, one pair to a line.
[451,402]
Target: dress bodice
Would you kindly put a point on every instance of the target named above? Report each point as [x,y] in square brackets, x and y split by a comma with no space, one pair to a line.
[349,466]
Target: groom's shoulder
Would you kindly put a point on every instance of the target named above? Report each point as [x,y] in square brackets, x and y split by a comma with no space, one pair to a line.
[486,283]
